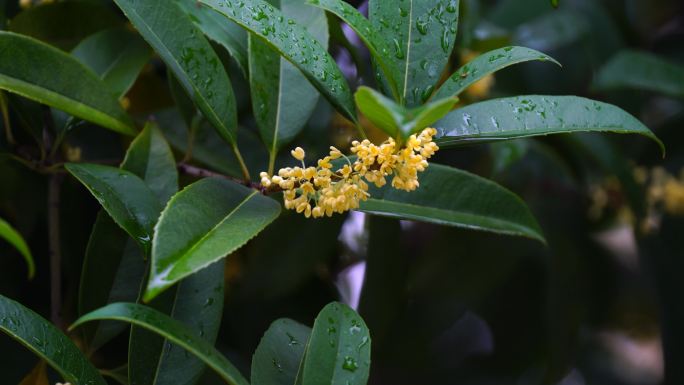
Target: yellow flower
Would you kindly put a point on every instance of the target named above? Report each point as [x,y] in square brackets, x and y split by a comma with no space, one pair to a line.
[320,191]
[298,153]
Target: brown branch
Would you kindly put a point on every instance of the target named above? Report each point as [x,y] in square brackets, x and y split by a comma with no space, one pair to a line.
[55,251]
[204,173]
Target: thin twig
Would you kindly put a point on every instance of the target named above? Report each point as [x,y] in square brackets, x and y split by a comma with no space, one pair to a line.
[204,173]
[55,251]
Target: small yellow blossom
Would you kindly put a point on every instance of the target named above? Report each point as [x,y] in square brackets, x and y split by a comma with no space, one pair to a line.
[320,191]
[298,153]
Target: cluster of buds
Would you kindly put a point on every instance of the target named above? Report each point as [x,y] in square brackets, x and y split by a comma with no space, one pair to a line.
[323,190]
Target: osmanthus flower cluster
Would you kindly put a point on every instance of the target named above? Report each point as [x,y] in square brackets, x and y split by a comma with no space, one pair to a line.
[324,189]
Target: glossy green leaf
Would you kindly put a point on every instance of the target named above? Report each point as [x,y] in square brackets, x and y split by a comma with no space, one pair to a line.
[65,23]
[339,349]
[77,90]
[382,111]
[15,239]
[295,44]
[534,115]
[277,358]
[422,35]
[452,197]
[641,71]
[149,157]
[198,304]
[113,267]
[170,329]
[189,56]
[125,196]
[116,55]
[377,46]
[46,341]
[487,64]
[396,120]
[282,99]
[202,224]
[226,33]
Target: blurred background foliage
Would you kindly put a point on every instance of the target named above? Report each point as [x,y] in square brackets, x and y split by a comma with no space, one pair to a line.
[602,304]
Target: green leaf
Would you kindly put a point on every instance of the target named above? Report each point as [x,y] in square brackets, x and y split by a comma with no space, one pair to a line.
[125,196]
[116,55]
[295,44]
[226,33]
[170,329]
[552,30]
[149,157]
[113,268]
[395,119]
[641,71]
[424,116]
[282,99]
[202,224]
[77,90]
[377,46]
[422,35]
[452,197]
[339,349]
[279,354]
[12,236]
[65,23]
[190,57]
[46,341]
[380,110]
[198,304]
[487,64]
[534,115]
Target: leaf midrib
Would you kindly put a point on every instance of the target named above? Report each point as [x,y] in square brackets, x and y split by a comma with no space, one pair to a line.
[183,254]
[408,52]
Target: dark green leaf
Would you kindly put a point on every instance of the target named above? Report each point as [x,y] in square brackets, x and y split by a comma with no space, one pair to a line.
[125,196]
[339,349]
[112,272]
[378,47]
[202,224]
[65,23]
[422,35]
[641,71]
[15,239]
[226,33]
[525,116]
[295,44]
[77,90]
[277,358]
[487,64]
[452,197]
[282,99]
[113,268]
[198,304]
[170,329]
[190,57]
[45,340]
[116,55]
[552,30]
[149,157]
